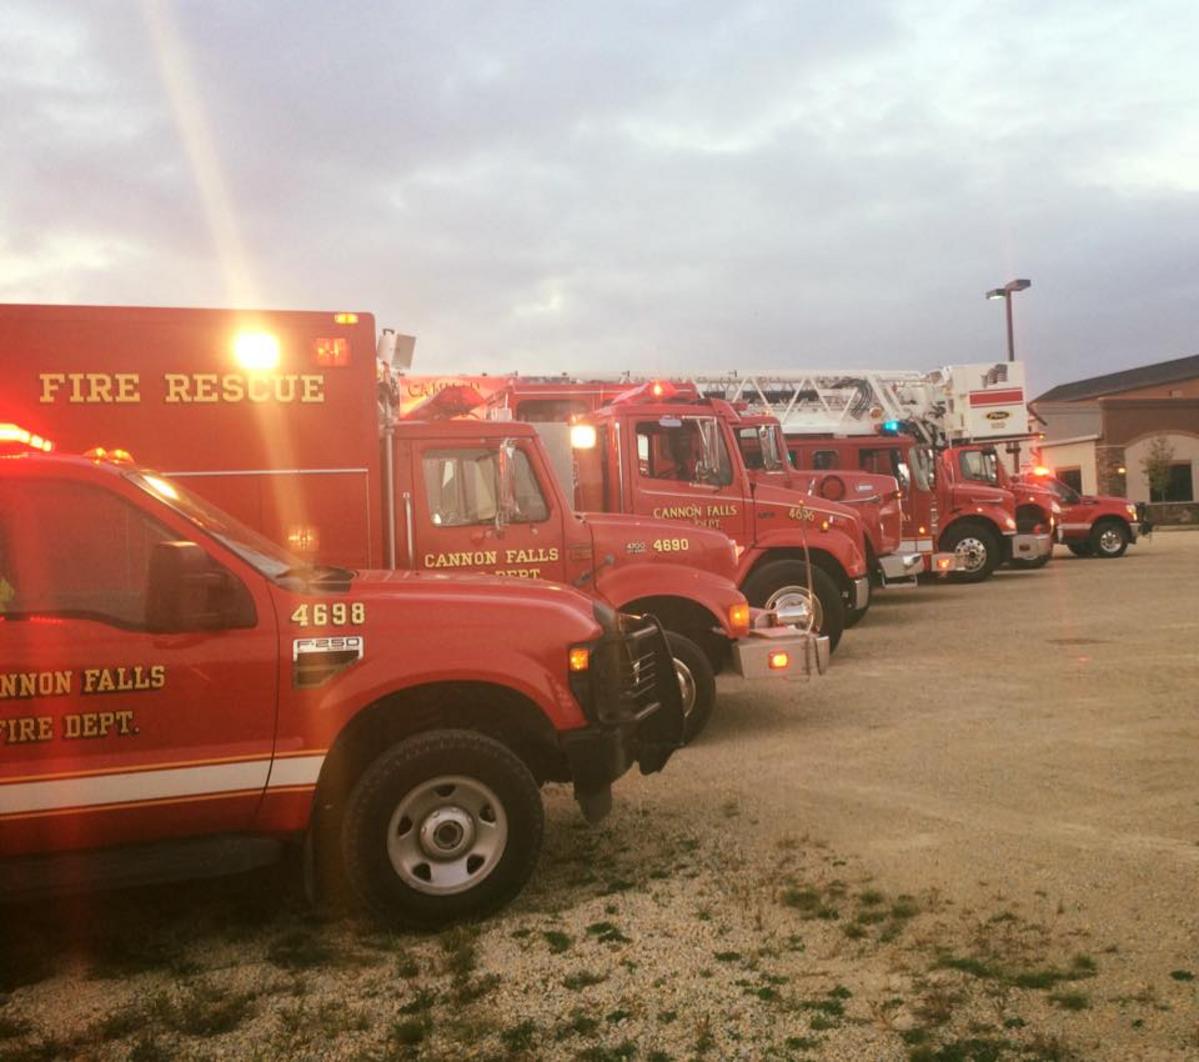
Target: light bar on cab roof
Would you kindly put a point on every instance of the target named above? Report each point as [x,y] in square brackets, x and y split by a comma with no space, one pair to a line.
[16,434]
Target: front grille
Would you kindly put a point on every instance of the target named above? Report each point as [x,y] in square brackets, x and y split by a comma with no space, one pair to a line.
[632,672]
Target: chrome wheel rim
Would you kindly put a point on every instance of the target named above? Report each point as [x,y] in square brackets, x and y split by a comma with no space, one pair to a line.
[797,597]
[447,835]
[1110,540]
[972,552]
[687,686]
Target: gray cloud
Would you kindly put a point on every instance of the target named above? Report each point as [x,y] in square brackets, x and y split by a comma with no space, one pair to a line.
[548,186]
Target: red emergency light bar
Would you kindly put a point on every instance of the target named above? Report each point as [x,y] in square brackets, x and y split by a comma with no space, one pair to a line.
[658,391]
[14,433]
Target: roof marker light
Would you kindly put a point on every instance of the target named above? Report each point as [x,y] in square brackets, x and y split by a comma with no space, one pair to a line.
[345,318]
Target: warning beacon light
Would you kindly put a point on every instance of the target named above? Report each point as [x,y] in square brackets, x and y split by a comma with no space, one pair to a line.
[1041,470]
[891,427]
[14,433]
[582,436]
[256,351]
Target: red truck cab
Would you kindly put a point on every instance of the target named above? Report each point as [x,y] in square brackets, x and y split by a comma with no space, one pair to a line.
[1091,525]
[668,454]
[876,498]
[175,685]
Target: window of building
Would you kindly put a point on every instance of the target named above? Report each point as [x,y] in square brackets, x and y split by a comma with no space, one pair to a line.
[1179,488]
[69,549]
[1072,477]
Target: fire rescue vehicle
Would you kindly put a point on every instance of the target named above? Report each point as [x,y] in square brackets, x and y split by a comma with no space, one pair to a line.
[179,696]
[1091,525]
[918,427]
[662,450]
[289,421]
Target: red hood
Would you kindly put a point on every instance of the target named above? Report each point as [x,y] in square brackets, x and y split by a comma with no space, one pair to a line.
[626,535]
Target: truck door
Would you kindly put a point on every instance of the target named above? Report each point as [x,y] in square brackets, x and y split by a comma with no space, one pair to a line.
[462,522]
[110,733]
[683,471]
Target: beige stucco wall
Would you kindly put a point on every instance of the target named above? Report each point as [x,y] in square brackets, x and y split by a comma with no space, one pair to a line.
[1186,448]
[1068,420]
[1072,455]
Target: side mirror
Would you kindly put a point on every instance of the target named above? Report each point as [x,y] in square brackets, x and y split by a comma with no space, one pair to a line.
[505,508]
[187,592]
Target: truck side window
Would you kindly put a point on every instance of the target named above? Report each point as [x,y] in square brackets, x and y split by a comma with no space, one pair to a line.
[825,459]
[462,487]
[978,465]
[683,451]
[71,549]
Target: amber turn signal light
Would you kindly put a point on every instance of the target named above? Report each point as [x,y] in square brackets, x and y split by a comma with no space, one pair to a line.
[580,658]
[739,616]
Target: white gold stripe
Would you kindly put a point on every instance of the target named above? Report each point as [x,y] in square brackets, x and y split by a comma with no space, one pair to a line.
[100,790]
[296,770]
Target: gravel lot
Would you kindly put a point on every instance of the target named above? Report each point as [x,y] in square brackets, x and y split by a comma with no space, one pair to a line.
[976,838]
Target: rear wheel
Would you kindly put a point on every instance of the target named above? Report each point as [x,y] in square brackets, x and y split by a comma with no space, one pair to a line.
[442,826]
[1079,549]
[697,683]
[1109,539]
[784,584]
[976,548]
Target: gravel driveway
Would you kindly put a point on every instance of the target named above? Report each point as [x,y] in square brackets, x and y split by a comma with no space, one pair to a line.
[976,838]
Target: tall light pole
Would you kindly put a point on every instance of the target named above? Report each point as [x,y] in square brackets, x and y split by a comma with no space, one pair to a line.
[1006,293]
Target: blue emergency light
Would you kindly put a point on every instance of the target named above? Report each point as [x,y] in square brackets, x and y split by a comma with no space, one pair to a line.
[891,427]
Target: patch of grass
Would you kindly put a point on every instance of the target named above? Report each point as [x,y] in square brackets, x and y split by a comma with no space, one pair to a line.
[472,989]
[1071,1000]
[870,917]
[203,1009]
[666,1017]
[558,941]
[607,933]
[581,979]
[626,1049]
[460,947]
[420,1003]
[1083,966]
[11,1028]
[299,950]
[115,1026]
[905,907]
[411,1031]
[840,992]
[802,1043]
[832,1006]
[870,898]
[406,966]
[977,1049]
[619,885]
[1044,978]
[148,1049]
[580,1023]
[727,956]
[331,1019]
[854,931]
[617,1016]
[1182,975]
[821,1023]
[519,1037]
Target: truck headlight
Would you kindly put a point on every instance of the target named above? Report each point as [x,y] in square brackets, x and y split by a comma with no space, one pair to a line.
[1011,523]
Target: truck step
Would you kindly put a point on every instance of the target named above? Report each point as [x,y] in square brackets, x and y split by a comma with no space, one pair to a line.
[25,877]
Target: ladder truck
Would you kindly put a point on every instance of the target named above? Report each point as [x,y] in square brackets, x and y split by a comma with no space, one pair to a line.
[935,432]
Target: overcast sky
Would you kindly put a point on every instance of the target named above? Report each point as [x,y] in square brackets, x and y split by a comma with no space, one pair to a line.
[622,185]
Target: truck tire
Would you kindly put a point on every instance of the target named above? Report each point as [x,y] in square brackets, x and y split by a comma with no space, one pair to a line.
[1079,549]
[774,582]
[697,683]
[977,546]
[1109,539]
[442,826]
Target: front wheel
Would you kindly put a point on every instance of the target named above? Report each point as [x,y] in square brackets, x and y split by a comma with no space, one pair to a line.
[442,826]
[976,548]
[784,584]
[697,683]
[1109,539]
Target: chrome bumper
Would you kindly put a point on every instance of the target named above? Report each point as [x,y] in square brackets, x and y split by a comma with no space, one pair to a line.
[769,652]
[859,593]
[901,568]
[1031,547]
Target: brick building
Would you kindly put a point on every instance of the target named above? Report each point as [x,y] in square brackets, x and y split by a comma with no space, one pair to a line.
[1098,433]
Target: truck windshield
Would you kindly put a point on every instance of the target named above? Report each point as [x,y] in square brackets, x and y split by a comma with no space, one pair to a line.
[923,467]
[979,465]
[270,559]
[760,448]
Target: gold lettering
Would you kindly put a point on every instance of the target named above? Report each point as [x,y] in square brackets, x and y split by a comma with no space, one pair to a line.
[258,389]
[71,726]
[233,388]
[204,384]
[177,385]
[51,382]
[313,388]
[99,387]
[45,728]
[127,387]
[285,388]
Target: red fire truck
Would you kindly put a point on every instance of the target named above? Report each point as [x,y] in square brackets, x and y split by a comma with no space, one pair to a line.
[288,421]
[1091,525]
[181,696]
[912,426]
[664,451]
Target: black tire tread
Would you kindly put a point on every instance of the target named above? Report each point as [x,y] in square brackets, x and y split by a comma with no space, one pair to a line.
[763,581]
